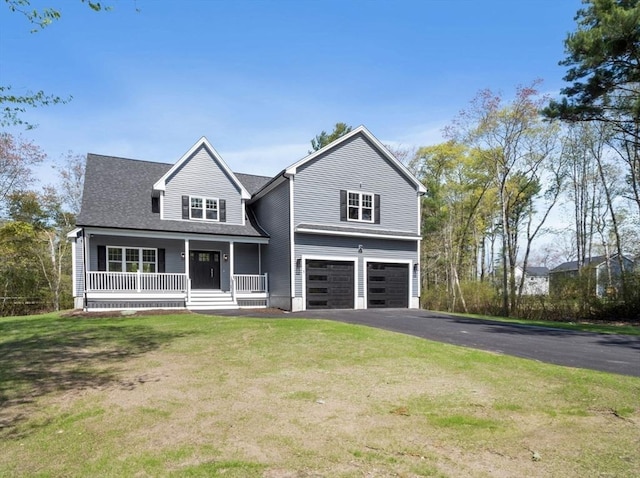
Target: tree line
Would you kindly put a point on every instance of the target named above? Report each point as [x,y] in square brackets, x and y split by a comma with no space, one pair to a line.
[35,256]
[508,165]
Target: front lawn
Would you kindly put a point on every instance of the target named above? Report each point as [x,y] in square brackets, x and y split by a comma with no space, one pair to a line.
[196,395]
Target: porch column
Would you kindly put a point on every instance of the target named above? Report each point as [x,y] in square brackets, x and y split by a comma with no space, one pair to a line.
[86,252]
[186,268]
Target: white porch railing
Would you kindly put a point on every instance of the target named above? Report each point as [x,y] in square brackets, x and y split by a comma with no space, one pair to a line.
[250,283]
[135,282]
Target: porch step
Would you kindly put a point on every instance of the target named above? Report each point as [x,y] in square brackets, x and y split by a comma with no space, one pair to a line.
[211,300]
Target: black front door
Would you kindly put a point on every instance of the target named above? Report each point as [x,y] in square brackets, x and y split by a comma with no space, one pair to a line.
[204,269]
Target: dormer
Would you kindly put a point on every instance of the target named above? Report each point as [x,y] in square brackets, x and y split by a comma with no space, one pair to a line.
[201,187]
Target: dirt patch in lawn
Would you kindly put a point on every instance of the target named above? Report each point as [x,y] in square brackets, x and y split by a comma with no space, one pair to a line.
[266,401]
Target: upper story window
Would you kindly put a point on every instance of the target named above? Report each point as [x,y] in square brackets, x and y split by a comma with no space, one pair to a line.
[131,259]
[203,208]
[359,206]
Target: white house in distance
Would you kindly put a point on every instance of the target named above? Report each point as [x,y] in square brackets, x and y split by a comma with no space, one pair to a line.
[536,280]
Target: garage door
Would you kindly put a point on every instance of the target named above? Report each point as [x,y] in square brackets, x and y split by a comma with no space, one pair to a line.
[387,285]
[330,284]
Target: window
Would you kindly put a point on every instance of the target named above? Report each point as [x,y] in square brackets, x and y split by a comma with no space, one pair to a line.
[131,259]
[203,208]
[359,206]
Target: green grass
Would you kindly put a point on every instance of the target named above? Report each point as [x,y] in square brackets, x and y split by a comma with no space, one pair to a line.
[579,326]
[193,395]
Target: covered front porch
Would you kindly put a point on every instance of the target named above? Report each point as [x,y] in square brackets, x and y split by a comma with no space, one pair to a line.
[125,270]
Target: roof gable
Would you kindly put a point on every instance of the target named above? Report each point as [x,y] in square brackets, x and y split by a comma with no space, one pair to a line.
[113,198]
[161,184]
[293,169]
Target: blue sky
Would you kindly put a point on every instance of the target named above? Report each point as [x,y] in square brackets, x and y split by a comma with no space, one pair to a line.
[259,78]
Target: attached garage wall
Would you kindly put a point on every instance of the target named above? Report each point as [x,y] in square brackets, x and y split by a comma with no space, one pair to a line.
[331,247]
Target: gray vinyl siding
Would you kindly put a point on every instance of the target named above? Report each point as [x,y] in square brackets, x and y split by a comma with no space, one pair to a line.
[355,165]
[246,258]
[272,212]
[79,263]
[202,176]
[347,247]
[173,249]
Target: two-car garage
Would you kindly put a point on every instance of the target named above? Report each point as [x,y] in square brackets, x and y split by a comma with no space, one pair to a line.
[331,284]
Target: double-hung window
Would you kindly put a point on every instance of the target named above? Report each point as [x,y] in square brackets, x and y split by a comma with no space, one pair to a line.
[359,206]
[203,208]
[131,259]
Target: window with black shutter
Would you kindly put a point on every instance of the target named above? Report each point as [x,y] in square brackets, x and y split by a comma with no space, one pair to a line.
[358,206]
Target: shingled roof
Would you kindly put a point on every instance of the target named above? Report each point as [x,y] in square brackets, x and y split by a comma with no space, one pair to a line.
[117,194]
[589,261]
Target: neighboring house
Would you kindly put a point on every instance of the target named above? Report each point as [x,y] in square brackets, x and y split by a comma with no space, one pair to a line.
[536,280]
[338,229]
[602,275]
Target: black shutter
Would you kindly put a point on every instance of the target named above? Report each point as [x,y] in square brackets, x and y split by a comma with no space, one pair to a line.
[185,207]
[161,262]
[155,205]
[376,208]
[102,258]
[343,205]
[222,205]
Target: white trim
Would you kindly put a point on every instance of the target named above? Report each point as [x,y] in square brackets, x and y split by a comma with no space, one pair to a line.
[124,261]
[270,186]
[87,264]
[74,234]
[419,251]
[366,260]
[74,279]
[243,203]
[135,295]
[292,244]
[204,209]
[293,169]
[315,257]
[162,205]
[161,184]
[187,268]
[356,234]
[361,207]
[175,235]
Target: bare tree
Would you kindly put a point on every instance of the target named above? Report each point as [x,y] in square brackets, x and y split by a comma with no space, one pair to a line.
[17,157]
[71,171]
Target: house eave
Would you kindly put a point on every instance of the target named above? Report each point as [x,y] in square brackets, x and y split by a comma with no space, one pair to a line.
[364,234]
[110,231]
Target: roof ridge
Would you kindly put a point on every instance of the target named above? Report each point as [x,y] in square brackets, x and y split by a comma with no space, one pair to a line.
[127,159]
[251,174]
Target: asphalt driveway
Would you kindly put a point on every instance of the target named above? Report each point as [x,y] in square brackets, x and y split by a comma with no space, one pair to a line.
[605,352]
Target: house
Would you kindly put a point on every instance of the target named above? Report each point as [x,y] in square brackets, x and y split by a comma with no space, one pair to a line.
[536,280]
[338,229]
[602,276]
